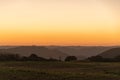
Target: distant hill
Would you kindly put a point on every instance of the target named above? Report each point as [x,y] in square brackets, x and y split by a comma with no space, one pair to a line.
[7,47]
[112,53]
[81,52]
[39,50]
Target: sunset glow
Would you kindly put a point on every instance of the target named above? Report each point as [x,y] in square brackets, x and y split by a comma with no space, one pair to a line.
[59,22]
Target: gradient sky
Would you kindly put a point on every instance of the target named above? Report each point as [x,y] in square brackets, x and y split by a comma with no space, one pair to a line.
[59,22]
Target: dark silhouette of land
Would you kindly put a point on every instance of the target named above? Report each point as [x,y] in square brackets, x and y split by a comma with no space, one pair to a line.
[61,52]
[48,63]
[38,50]
[112,53]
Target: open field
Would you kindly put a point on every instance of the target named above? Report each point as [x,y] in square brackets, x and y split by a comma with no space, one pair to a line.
[59,71]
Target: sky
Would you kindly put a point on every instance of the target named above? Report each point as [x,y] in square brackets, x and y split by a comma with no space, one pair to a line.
[60,22]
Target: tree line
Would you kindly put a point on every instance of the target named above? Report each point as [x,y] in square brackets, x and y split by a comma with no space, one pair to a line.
[31,57]
[103,59]
[34,57]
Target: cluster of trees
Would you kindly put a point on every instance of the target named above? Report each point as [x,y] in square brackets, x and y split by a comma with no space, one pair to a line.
[102,59]
[32,57]
[16,57]
[71,58]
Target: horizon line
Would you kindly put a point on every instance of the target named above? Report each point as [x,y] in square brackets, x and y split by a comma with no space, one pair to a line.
[65,45]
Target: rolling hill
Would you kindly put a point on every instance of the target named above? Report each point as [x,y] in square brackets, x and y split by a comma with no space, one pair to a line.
[81,52]
[112,53]
[39,50]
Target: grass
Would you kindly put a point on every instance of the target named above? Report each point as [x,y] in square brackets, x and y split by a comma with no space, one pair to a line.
[59,71]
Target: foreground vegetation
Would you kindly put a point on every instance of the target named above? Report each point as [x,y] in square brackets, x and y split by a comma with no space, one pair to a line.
[37,70]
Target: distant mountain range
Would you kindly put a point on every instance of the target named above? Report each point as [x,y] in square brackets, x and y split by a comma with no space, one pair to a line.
[81,52]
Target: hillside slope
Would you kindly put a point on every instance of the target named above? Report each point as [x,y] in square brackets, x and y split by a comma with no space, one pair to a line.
[112,53]
[81,51]
[39,50]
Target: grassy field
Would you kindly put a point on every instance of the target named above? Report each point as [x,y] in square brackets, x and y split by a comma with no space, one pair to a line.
[59,71]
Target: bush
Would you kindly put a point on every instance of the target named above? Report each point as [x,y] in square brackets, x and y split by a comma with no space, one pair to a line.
[101,59]
[95,58]
[71,58]
[16,57]
[34,57]
[9,57]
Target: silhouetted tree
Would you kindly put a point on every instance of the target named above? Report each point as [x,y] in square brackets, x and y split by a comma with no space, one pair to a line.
[16,57]
[9,57]
[34,57]
[101,59]
[71,58]
[96,58]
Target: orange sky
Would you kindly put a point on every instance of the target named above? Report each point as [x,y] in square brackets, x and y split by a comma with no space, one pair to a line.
[59,22]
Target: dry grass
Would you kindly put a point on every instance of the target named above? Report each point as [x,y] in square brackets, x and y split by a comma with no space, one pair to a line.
[59,71]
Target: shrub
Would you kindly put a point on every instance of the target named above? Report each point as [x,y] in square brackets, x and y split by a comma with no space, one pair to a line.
[95,58]
[71,58]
